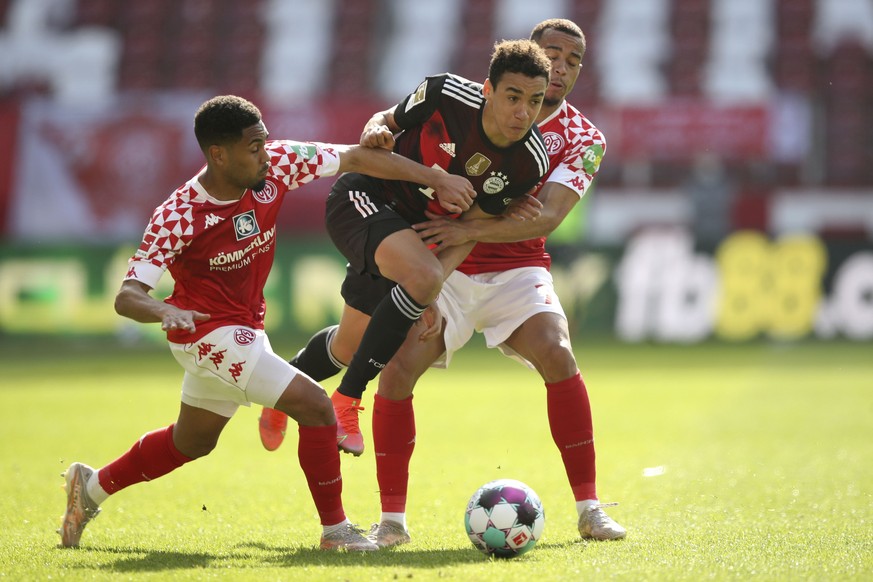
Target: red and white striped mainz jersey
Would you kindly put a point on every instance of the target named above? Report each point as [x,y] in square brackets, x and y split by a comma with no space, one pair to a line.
[220,252]
[575,149]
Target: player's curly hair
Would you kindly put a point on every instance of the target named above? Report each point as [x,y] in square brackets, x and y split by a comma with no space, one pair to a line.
[518,56]
[561,25]
[222,119]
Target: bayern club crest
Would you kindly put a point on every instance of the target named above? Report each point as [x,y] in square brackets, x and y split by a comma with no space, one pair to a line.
[554,142]
[267,194]
[243,336]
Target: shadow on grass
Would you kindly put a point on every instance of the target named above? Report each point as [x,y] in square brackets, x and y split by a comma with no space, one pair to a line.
[258,554]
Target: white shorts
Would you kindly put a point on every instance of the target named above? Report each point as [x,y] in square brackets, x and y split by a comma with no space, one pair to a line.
[494,304]
[229,366]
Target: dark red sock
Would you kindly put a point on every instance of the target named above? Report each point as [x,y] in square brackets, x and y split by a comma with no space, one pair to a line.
[320,461]
[152,456]
[572,430]
[393,442]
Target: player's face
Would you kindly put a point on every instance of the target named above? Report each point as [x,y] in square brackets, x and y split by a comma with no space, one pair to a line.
[565,53]
[248,161]
[511,107]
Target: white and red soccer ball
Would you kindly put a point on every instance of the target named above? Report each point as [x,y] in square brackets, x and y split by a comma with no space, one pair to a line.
[504,518]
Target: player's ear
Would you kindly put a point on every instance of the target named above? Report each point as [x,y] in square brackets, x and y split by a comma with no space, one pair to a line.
[487,88]
[215,154]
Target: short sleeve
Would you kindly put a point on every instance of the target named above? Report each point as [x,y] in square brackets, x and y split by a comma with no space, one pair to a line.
[297,163]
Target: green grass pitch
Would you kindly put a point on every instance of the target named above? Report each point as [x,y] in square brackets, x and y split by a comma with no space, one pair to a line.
[729,463]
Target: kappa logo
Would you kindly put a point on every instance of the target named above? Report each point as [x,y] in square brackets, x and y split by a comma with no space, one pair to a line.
[235,370]
[245,225]
[449,148]
[212,220]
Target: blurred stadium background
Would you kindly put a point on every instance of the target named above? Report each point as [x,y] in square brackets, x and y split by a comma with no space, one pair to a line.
[735,200]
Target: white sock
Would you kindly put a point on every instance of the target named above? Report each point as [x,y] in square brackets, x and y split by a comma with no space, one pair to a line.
[95,491]
[396,517]
[585,505]
[329,529]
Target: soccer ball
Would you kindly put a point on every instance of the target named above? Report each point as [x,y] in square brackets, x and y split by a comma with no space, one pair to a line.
[504,518]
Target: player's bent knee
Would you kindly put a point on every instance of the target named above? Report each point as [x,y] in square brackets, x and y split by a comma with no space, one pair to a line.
[396,381]
[194,448]
[306,402]
[423,284]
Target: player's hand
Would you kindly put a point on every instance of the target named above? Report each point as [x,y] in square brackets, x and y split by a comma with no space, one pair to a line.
[441,231]
[454,193]
[377,136]
[524,207]
[432,322]
[182,319]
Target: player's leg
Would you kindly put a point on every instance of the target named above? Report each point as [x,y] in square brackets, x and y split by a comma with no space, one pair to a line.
[377,241]
[275,383]
[394,434]
[326,353]
[193,435]
[403,258]
[544,340]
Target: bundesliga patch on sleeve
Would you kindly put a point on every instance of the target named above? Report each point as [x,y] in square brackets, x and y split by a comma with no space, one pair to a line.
[418,96]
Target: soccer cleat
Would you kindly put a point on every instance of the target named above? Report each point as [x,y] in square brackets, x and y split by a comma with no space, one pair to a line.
[388,534]
[271,427]
[595,524]
[80,508]
[348,433]
[347,538]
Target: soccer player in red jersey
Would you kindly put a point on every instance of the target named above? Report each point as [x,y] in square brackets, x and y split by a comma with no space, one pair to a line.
[534,330]
[216,235]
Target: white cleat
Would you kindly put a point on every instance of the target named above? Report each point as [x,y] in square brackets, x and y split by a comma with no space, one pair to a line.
[595,524]
[80,508]
[388,534]
[348,538]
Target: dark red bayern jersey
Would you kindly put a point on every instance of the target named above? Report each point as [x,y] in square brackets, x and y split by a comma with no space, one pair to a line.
[575,149]
[442,126]
[220,252]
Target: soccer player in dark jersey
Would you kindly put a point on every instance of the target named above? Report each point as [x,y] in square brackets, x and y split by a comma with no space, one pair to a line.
[216,235]
[534,330]
[504,289]
[483,132]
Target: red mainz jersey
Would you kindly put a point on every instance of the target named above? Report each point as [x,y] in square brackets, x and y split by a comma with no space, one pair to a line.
[221,252]
[575,149]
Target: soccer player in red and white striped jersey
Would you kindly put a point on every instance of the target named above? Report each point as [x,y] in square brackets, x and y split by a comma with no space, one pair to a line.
[216,235]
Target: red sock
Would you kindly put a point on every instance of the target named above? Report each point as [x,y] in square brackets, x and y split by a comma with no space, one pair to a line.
[152,456]
[573,432]
[320,461]
[393,442]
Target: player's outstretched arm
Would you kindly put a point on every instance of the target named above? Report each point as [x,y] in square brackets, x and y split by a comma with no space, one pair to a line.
[379,133]
[134,302]
[557,201]
[454,192]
